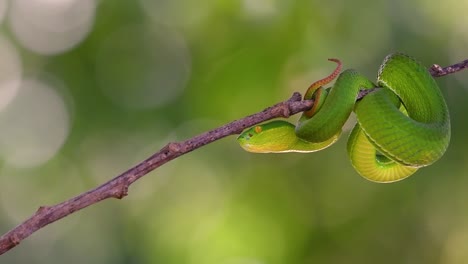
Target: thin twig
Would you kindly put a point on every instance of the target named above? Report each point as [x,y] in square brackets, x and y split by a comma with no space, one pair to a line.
[118,186]
[437,71]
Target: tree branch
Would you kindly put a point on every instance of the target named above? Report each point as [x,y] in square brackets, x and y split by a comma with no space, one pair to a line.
[118,186]
[437,71]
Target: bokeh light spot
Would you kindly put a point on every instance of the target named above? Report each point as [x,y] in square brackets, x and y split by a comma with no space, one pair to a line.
[260,8]
[51,26]
[10,72]
[3,9]
[34,125]
[140,67]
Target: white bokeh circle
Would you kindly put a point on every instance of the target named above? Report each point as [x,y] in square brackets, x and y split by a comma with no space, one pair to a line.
[50,27]
[10,72]
[33,126]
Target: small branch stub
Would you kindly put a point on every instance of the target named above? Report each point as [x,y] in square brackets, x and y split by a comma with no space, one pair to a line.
[437,71]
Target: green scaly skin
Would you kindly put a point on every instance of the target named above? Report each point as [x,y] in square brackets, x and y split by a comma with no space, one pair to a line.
[389,142]
[275,137]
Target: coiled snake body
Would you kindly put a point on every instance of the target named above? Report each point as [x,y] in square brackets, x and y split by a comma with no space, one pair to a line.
[402,126]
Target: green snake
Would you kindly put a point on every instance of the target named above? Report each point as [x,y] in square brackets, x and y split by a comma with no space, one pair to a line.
[402,125]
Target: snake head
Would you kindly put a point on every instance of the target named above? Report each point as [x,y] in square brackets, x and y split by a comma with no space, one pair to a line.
[275,136]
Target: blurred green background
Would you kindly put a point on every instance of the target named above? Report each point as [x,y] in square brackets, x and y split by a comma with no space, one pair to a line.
[89,88]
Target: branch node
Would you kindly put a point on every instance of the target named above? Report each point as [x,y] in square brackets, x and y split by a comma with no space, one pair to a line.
[14,239]
[285,110]
[121,191]
[295,97]
[174,147]
[436,69]
[41,209]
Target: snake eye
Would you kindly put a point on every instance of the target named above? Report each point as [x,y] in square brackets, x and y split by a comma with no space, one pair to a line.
[258,129]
